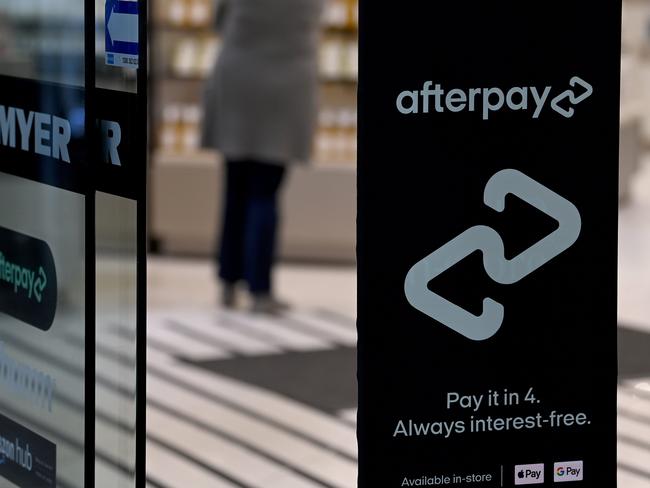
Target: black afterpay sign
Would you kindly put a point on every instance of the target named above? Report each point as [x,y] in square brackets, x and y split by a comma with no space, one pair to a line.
[28,284]
[488,169]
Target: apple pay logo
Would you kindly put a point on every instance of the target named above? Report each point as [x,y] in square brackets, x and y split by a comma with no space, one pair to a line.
[568,471]
[529,474]
[489,242]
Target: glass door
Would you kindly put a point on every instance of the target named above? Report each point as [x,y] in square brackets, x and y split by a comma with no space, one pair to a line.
[120,242]
[72,181]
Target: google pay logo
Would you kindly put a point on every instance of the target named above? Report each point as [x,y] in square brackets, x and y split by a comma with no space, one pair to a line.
[568,471]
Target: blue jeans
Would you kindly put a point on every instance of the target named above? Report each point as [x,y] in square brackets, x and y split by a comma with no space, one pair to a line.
[250,221]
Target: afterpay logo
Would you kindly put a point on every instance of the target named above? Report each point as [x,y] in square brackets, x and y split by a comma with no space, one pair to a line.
[31,282]
[435,98]
[489,242]
[28,282]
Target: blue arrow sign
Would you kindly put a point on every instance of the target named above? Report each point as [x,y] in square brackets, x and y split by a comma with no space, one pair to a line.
[122,45]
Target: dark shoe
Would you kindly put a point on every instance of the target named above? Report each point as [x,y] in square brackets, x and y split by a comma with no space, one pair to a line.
[229,295]
[268,305]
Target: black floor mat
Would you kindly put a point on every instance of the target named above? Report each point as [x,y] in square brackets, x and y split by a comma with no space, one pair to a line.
[633,353]
[326,379]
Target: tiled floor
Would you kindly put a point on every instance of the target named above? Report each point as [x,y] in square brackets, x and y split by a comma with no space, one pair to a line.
[634,255]
[220,417]
[216,425]
[634,313]
[220,431]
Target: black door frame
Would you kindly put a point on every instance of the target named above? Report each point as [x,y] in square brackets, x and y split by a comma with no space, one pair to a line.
[131,184]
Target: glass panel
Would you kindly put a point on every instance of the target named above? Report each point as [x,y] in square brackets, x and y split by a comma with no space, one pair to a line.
[42,244]
[117,243]
[116,238]
[42,266]
[43,40]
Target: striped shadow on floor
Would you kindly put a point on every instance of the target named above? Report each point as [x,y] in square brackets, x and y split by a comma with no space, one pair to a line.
[308,446]
[236,430]
[212,425]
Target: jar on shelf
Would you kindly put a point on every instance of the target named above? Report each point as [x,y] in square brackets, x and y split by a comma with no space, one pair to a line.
[190,127]
[331,58]
[326,135]
[336,13]
[352,14]
[208,55]
[199,13]
[170,129]
[184,62]
[176,12]
[348,135]
[351,67]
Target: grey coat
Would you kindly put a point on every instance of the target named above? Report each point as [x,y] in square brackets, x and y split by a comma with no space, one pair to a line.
[261,100]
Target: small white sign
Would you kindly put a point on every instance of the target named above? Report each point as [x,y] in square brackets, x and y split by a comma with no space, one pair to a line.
[529,474]
[122,43]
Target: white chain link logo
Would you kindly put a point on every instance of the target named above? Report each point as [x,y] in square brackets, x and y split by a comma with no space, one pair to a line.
[489,242]
[571,96]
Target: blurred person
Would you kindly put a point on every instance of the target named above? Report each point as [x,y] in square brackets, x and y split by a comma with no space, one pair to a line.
[260,112]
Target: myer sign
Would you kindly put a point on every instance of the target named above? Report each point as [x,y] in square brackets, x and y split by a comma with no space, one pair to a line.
[41,133]
[48,135]
[434,98]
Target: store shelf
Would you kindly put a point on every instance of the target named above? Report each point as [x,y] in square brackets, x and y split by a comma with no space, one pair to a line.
[206,157]
[190,78]
[351,82]
[209,29]
[197,29]
[341,30]
[199,157]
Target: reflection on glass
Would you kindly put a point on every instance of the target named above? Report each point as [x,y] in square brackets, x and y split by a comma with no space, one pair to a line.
[116,240]
[43,40]
[51,361]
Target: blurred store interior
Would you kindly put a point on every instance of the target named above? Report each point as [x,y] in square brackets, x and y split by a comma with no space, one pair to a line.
[265,401]
[310,375]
